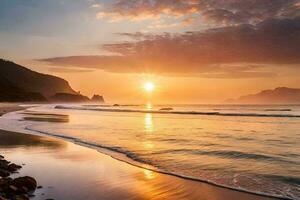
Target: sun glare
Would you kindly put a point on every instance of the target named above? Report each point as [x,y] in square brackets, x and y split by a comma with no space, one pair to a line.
[149,86]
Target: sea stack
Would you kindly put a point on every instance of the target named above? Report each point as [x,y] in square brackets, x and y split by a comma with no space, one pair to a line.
[98,98]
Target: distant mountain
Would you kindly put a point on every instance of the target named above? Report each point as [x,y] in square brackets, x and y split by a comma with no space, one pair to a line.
[280,95]
[18,84]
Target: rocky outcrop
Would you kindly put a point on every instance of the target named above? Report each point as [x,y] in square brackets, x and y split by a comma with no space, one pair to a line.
[97,98]
[14,188]
[280,95]
[166,109]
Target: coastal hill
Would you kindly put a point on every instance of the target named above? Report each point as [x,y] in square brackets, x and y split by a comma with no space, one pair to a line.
[65,97]
[11,93]
[280,95]
[18,84]
[20,77]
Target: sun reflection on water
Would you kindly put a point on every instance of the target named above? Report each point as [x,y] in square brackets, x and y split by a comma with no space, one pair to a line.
[149,106]
[148,123]
[148,144]
[149,128]
[149,174]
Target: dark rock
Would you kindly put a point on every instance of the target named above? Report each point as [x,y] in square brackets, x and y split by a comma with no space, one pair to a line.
[6,180]
[39,187]
[4,173]
[4,164]
[26,181]
[21,197]
[2,198]
[116,105]
[13,167]
[23,190]
[166,109]
[12,188]
[1,157]
[4,186]
[98,98]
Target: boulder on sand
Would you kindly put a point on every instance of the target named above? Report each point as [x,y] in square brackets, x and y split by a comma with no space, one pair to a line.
[26,181]
[13,167]
[18,188]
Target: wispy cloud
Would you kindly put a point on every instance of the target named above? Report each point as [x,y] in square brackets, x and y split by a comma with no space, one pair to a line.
[210,53]
[69,70]
[229,12]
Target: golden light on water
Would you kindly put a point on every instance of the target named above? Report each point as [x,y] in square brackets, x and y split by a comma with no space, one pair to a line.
[148,106]
[148,122]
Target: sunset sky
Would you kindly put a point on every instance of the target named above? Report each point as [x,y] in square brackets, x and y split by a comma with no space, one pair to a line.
[194,51]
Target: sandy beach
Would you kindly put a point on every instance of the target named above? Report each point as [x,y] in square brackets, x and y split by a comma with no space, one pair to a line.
[69,171]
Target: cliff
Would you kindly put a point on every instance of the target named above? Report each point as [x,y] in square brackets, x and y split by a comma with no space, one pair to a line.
[15,78]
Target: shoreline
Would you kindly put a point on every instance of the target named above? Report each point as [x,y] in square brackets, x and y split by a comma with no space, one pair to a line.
[194,188]
[9,107]
[186,180]
[119,155]
[182,112]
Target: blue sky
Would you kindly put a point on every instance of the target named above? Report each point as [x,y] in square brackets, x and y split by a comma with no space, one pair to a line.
[57,28]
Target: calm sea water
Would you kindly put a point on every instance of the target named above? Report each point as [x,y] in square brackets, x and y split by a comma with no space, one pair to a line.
[253,148]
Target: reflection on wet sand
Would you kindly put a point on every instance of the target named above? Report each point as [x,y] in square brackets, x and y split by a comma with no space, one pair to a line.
[45,117]
[9,107]
[75,172]
[18,140]
[43,114]
[149,174]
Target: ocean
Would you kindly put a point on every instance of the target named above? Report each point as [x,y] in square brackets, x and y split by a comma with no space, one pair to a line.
[242,147]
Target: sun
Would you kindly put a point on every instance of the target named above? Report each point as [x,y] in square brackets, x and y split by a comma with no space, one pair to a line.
[149,86]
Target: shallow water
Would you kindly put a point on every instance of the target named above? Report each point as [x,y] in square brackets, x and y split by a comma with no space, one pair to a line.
[253,148]
[87,174]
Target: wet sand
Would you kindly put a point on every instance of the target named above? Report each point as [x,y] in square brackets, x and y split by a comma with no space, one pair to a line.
[9,107]
[69,171]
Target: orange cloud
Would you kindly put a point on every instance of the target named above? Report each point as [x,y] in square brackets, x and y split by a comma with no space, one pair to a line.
[141,10]
[221,52]
[219,11]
